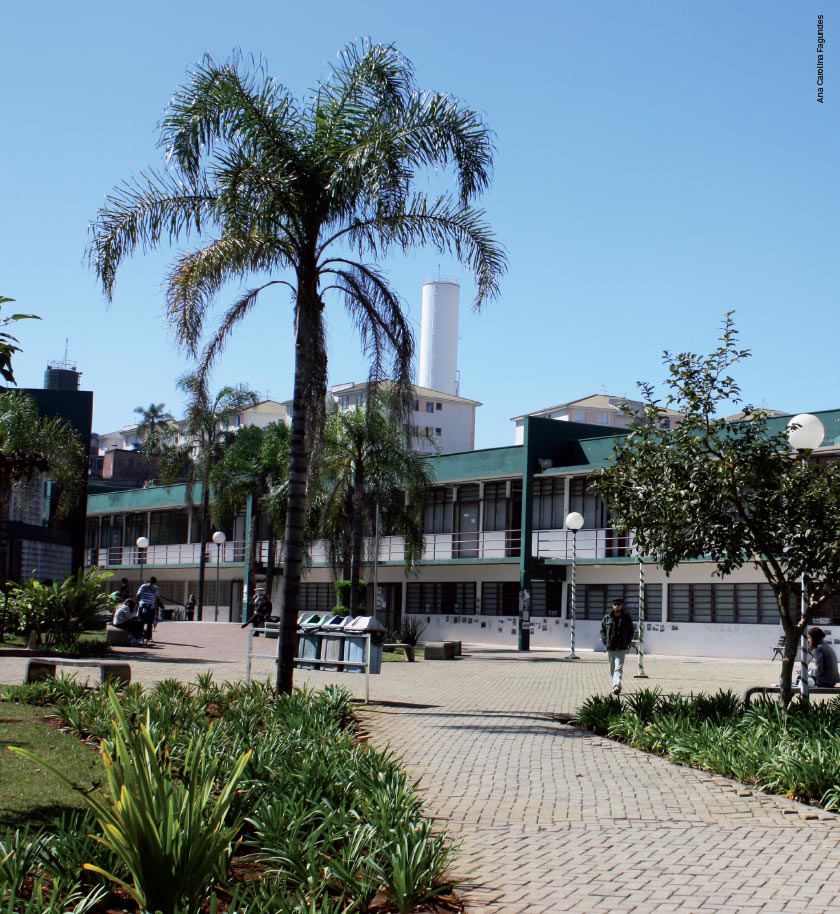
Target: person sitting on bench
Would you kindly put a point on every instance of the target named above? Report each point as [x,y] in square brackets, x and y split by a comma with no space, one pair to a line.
[125,617]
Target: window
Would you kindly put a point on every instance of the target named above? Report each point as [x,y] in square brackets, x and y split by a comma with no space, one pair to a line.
[593,600]
[745,604]
[432,598]
[430,407]
[548,507]
[500,598]
[316,598]
[579,415]
[438,406]
[586,503]
[438,432]
[546,598]
[416,406]
[344,402]
[168,528]
[439,511]
[603,418]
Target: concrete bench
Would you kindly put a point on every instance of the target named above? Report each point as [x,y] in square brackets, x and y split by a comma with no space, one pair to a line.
[776,690]
[119,637]
[440,650]
[110,671]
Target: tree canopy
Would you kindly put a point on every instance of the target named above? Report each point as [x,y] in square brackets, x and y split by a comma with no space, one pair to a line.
[732,492]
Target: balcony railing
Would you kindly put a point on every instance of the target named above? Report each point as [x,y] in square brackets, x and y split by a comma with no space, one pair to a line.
[439,547]
[591,544]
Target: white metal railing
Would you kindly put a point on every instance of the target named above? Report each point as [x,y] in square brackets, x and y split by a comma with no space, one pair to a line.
[602,543]
[487,544]
[174,554]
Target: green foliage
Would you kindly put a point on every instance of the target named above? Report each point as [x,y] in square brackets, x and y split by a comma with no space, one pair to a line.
[8,342]
[597,713]
[342,593]
[411,630]
[329,823]
[165,823]
[59,612]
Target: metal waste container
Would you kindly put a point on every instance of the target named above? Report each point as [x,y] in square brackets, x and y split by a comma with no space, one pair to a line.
[355,650]
[309,638]
[333,648]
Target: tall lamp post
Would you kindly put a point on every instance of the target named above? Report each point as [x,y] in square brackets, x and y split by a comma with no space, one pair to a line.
[142,544]
[641,643]
[574,522]
[219,539]
[805,433]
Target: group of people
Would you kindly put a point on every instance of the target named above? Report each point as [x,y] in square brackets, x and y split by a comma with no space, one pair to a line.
[617,633]
[138,615]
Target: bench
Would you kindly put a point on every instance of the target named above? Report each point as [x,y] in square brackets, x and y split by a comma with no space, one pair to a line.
[119,637]
[110,671]
[440,650]
[776,690]
[779,649]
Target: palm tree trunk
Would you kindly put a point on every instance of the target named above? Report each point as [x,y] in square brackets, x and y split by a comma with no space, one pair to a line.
[307,331]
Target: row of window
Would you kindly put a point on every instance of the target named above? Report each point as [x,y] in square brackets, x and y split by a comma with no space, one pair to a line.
[743,604]
[430,406]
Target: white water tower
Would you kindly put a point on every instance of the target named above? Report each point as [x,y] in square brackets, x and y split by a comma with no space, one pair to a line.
[438,364]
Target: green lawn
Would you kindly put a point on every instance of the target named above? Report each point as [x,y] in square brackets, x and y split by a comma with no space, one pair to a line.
[27,795]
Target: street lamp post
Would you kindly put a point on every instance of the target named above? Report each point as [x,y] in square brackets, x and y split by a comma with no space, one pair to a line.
[805,433]
[142,544]
[574,522]
[219,539]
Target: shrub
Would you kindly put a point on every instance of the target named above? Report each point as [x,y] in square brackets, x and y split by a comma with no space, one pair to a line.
[58,612]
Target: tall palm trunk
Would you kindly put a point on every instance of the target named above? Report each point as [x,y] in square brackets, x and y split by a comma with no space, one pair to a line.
[306,368]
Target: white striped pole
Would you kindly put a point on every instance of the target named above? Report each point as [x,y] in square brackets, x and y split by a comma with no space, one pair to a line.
[572,654]
[641,643]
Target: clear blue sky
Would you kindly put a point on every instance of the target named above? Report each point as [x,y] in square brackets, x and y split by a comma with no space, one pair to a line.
[658,164]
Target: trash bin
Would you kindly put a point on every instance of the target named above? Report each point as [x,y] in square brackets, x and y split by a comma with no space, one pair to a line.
[364,625]
[309,638]
[333,648]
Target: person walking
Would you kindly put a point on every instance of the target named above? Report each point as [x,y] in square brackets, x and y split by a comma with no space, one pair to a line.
[617,634]
[148,601]
[189,608]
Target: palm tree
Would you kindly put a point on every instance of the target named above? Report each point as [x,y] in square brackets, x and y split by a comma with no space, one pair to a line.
[301,193]
[373,478]
[205,436]
[31,444]
[7,341]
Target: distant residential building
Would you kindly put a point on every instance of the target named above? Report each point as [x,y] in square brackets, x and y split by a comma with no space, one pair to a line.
[606,410]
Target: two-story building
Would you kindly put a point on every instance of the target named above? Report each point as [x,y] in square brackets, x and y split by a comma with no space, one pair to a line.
[494,525]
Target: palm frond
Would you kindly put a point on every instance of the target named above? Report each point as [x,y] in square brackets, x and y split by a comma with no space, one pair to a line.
[141,212]
[197,277]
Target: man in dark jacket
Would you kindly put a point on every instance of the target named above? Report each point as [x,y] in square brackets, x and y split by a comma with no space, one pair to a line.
[617,634]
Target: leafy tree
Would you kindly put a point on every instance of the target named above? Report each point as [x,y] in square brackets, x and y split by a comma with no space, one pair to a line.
[732,492]
[8,342]
[301,194]
[206,435]
[369,466]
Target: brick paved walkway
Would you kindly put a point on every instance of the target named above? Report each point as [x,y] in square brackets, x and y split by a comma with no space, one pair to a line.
[551,818]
